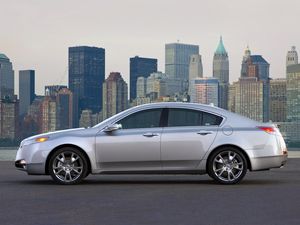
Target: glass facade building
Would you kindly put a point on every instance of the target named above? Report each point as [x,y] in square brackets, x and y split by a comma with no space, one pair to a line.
[177,59]
[6,77]
[26,90]
[86,76]
[140,67]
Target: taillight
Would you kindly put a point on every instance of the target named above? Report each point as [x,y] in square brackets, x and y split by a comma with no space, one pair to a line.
[269,130]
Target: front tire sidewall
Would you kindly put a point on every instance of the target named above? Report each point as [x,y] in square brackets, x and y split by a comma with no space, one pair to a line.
[212,174]
[84,169]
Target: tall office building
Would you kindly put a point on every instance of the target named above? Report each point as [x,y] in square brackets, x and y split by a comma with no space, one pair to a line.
[293,93]
[115,95]
[195,67]
[257,67]
[177,60]
[9,123]
[26,90]
[221,72]
[64,101]
[86,76]
[278,100]
[141,87]
[49,115]
[231,97]
[140,67]
[6,78]
[292,57]
[249,98]
[205,90]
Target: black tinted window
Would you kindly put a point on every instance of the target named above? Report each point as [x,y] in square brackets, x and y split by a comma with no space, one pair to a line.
[143,119]
[187,117]
[211,120]
[184,117]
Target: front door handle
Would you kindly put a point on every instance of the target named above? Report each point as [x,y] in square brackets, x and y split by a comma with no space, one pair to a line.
[204,132]
[150,134]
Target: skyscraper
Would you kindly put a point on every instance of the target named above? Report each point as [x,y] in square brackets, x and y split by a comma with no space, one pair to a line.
[177,59]
[205,90]
[257,67]
[9,123]
[292,126]
[221,72]
[292,57]
[278,100]
[49,115]
[141,87]
[195,67]
[249,98]
[86,76]
[64,101]
[6,77]
[140,67]
[293,93]
[115,95]
[26,90]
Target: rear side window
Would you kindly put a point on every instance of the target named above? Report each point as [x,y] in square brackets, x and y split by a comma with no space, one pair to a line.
[184,117]
[188,117]
[211,120]
[143,119]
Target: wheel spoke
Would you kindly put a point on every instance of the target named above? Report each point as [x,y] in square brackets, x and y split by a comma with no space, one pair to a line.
[58,172]
[76,171]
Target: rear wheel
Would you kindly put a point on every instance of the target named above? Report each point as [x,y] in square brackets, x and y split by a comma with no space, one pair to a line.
[68,166]
[227,165]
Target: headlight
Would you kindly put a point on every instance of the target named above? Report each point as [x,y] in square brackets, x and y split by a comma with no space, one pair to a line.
[41,139]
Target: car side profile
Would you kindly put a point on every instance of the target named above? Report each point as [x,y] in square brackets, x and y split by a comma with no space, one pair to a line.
[157,138]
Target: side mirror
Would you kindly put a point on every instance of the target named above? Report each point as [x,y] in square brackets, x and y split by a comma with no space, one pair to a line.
[113,127]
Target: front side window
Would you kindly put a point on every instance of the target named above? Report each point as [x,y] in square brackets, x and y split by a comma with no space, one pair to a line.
[143,119]
[189,117]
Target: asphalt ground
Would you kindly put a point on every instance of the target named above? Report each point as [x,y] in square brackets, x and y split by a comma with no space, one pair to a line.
[267,197]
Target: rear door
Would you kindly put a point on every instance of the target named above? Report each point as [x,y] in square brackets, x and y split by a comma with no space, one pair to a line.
[186,137]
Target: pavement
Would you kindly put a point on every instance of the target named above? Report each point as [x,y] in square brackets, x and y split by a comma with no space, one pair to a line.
[267,198]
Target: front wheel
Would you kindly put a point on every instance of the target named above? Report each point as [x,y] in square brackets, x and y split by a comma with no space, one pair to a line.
[68,166]
[227,166]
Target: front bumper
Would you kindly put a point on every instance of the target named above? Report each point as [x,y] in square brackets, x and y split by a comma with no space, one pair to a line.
[31,168]
[31,159]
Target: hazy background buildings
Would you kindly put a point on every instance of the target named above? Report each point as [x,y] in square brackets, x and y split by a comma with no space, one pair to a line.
[64,54]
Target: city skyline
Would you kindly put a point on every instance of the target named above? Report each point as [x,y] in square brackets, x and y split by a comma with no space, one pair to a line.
[60,26]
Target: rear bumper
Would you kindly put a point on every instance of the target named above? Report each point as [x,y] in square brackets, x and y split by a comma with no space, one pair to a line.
[268,162]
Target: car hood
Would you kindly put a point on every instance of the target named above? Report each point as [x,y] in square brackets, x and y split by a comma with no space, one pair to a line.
[59,133]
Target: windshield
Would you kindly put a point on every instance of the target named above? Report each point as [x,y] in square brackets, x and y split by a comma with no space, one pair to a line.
[110,118]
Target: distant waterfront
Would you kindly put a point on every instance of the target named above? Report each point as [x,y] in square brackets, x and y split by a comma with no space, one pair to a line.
[9,153]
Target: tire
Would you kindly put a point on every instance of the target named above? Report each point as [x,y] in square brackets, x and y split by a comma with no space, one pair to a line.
[227,165]
[68,166]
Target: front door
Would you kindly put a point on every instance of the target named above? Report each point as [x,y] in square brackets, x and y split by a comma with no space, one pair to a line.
[135,147]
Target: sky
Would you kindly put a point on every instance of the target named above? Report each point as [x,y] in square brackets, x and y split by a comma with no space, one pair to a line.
[36,34]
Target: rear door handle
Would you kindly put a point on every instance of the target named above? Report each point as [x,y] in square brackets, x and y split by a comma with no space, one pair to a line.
[150,134]
[204,132]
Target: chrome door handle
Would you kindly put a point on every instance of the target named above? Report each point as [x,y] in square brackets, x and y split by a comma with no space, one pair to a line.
[150,134]
[204,132]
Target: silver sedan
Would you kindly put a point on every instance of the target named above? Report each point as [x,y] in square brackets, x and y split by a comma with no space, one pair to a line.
[166,138]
